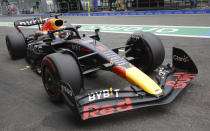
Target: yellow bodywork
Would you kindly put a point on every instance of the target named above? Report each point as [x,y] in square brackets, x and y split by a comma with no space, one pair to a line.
[54,25]
[140,79]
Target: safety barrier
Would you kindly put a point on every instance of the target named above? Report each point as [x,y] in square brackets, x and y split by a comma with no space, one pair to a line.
[124,13]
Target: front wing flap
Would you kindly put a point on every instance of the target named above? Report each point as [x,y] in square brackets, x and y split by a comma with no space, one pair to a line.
[172,80]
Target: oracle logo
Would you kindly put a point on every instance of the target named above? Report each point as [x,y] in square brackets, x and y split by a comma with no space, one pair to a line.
[181,59]
[106,109]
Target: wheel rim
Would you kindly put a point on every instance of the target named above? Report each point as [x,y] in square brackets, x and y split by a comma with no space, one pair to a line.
[51,82]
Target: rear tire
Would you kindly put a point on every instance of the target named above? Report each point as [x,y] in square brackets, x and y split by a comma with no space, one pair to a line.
[58,67]
[147,50]
[16,46]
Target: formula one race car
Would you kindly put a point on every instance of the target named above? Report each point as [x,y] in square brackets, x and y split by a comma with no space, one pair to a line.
[65,57]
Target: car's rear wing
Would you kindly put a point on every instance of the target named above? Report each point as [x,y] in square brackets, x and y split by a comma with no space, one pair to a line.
[30,22]
[35,21]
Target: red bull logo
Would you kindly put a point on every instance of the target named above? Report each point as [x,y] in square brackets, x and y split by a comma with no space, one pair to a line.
[106,109]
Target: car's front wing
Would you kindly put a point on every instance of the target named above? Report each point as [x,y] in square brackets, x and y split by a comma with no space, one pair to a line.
[172,80]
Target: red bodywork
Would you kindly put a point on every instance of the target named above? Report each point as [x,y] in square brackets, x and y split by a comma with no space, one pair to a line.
[52,24]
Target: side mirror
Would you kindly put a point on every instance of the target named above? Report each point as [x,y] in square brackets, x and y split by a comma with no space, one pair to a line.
[78,26]
[48,41]
[96,31]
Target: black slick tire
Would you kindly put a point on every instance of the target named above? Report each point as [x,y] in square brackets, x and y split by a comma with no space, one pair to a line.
[16,45]
[58,67]
[147,49]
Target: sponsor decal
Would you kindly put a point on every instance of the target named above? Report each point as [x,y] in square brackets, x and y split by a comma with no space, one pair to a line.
[88,41]
[101,48]
[32,21]
[66,90]
[95,110]
[181,59]
[75,47]
[103,94]
[135,37]
[181,81]
[28,22]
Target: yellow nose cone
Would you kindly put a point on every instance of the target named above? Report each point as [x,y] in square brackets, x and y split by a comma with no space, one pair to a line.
[138,78]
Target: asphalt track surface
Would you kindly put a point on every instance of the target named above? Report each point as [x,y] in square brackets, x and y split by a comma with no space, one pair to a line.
[24,105]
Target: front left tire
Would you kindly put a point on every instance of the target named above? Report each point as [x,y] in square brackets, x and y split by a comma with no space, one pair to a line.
[59,67]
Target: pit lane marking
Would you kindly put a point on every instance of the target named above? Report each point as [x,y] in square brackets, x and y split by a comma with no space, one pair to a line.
[161,30]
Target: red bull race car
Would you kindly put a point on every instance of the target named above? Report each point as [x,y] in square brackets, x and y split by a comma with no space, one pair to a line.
[64,57]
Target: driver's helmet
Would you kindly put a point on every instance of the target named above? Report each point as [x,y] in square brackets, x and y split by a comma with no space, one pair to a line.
[64,34]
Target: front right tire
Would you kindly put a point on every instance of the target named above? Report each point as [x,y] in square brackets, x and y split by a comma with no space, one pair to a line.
[147,50]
